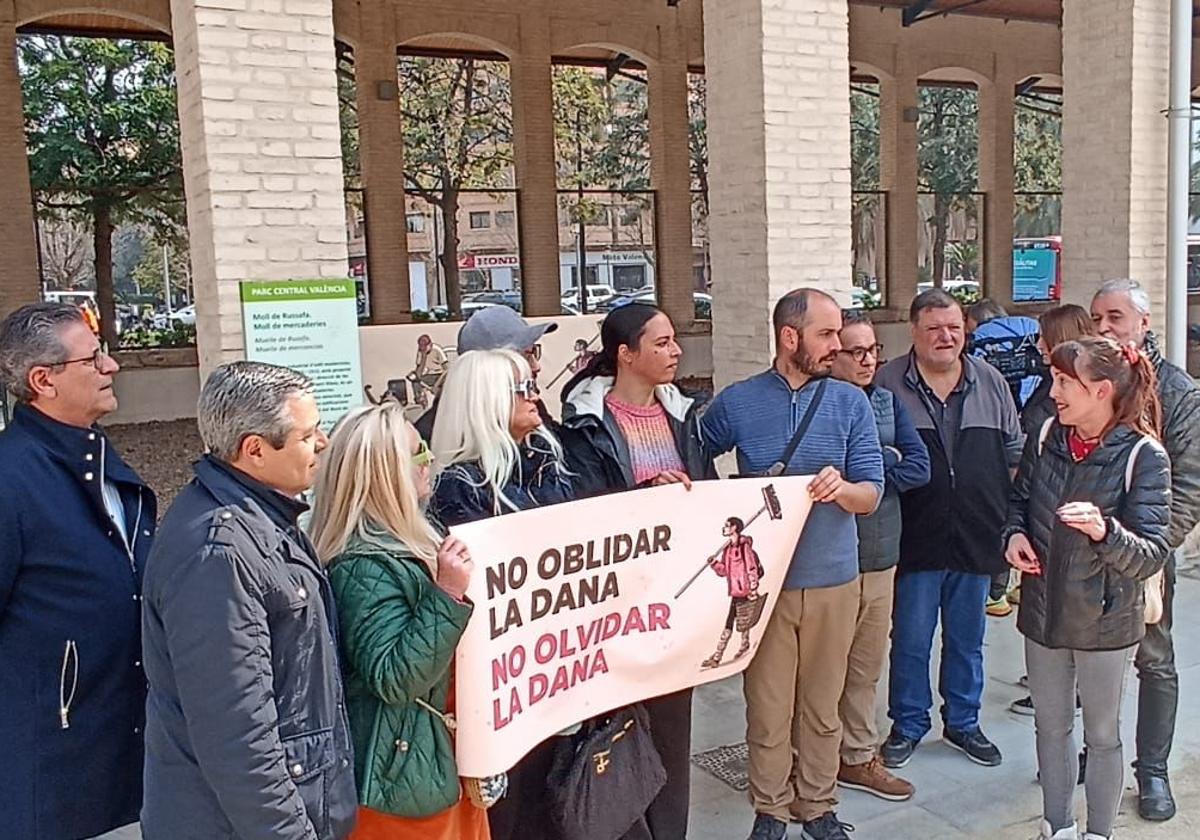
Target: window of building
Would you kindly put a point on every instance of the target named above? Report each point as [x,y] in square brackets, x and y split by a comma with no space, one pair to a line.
[480,220]
[415,223]
[505,218]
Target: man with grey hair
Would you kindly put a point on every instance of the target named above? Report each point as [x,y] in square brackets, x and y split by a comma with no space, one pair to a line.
[75,529]
[246,733]
[1121,311]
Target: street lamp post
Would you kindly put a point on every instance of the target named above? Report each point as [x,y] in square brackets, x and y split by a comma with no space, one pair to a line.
[581,232]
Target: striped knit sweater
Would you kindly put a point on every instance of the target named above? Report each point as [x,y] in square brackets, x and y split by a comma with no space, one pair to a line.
[647,432]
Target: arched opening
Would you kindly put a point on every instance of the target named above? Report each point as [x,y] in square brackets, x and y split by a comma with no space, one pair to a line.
[461,210]
[950,206]
[1037,189]
[602,157]
[868,209]
[102,133]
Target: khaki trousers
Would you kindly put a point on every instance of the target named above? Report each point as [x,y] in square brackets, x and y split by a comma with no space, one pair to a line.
[792,688]
[860,735]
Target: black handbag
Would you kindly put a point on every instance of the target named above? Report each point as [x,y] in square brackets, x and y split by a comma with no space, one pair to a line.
[603,778]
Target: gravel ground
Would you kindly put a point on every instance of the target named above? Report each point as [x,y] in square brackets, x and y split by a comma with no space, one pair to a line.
[162,454]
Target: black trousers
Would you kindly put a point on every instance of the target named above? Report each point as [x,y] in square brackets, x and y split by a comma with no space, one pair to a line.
[671,729]
[1158,691]
[523,813]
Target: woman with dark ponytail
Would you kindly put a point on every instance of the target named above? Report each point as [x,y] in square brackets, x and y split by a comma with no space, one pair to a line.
[1087,527]
[626,425]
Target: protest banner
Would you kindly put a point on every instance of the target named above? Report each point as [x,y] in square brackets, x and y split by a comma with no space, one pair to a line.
[590,606]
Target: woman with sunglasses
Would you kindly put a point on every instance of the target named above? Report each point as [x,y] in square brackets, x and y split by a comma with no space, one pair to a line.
[626,425]
[495,457]
[399,585]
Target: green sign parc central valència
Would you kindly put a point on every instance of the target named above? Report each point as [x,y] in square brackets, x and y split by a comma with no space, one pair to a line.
[310,326]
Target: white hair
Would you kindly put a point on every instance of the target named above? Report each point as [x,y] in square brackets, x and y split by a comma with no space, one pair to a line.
[473,418]
[1124,286]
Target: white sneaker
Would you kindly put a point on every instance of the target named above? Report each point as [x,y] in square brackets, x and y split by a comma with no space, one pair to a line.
[1071,832]
[1090,836]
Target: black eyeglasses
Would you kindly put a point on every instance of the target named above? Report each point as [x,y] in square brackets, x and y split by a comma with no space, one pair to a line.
[527,390]
[859,354]
[98,356]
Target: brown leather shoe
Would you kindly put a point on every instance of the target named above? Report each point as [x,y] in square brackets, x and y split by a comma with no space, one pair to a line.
[873,778]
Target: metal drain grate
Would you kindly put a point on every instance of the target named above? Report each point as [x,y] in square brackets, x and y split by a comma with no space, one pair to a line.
[730,764]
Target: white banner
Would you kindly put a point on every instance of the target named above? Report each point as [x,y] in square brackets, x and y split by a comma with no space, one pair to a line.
[586,607]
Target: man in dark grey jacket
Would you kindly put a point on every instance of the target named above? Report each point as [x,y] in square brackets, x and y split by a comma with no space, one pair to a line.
[1121,311]
[246,734]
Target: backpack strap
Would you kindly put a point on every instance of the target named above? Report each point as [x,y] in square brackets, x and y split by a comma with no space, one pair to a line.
[1132,462]
[1043,434]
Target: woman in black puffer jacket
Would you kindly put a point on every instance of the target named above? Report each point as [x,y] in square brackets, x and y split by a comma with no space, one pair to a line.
[1087,525]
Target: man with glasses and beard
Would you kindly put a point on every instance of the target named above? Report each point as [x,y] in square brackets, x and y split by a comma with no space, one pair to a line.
[794,684]
[950,537]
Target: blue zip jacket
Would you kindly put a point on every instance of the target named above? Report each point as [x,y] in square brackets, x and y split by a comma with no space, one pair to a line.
[759,415]
[72,689]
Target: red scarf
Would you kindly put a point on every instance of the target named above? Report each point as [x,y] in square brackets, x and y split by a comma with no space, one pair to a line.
[1079,447]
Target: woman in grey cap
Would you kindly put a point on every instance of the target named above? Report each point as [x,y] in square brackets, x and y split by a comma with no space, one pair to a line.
[496,328]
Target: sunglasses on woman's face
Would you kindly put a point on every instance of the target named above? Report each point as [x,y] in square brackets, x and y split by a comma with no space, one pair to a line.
[423,457]
[527,390]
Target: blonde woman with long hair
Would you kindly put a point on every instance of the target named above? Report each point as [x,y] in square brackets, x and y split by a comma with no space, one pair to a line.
[399,586]
[494,457]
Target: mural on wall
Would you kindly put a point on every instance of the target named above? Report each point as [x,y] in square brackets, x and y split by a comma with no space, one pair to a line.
[408,362]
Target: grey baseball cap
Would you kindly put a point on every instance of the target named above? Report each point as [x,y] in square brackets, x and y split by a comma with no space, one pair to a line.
[497,328]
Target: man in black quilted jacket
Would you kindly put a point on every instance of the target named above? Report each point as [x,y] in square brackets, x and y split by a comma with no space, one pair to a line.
[1121,311]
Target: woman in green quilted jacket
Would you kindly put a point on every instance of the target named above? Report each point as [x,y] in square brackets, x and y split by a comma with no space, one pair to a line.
[399,586]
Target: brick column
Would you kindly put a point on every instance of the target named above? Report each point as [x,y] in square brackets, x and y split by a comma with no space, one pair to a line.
[20,281]
[261,153]
[536,173]
[996,178]
[898,176]
[779,172]
[671,178]
[1115,74]
[381,153]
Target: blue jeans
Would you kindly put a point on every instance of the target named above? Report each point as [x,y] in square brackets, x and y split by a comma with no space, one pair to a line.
[921,597]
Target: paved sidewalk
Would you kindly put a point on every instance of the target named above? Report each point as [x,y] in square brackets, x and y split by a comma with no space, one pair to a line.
[956,798]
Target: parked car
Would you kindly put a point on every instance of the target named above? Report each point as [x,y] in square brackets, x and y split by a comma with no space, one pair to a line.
[597,295]
[701,301]
[184,316]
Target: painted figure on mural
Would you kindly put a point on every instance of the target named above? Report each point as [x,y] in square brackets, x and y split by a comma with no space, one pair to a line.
[738,563]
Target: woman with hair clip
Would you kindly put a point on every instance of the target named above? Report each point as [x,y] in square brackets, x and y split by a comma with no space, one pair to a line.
[1062,323]
[399,586]
[495,457]
[626,425]
[1087,526]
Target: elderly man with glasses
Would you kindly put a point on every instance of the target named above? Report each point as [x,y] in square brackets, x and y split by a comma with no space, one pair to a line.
[75,530]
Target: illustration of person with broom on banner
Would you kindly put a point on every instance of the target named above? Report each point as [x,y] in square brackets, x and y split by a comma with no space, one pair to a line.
[738,563]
